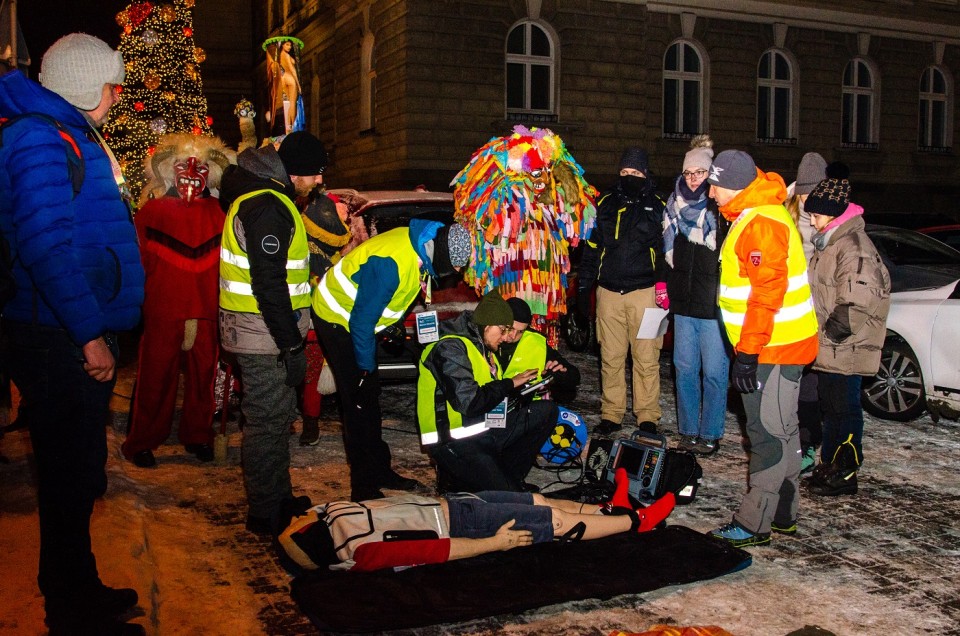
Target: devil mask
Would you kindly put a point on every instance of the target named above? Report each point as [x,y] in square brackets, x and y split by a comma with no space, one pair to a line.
[191,178]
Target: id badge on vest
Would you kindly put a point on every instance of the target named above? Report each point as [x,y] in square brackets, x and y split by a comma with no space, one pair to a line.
[497,417]
[428,327]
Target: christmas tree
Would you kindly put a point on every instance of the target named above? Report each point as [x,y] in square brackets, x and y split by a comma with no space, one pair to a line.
[162,92]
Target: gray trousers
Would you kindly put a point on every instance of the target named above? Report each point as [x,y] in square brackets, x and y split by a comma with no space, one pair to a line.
[772,426]
[269,406]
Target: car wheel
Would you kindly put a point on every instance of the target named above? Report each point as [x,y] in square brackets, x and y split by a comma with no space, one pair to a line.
[896,391]
[578,338]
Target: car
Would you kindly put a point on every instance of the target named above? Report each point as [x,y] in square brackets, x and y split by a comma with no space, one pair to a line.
[949,234]
[383,210]
[908,221]
[918,369]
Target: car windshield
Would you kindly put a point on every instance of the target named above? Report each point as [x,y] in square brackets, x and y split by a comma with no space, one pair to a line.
[904,247]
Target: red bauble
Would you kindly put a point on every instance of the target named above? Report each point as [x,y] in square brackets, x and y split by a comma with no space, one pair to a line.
[138,12]
[151,150]
[138,106]
[187,31]
[197,130]
[209,120]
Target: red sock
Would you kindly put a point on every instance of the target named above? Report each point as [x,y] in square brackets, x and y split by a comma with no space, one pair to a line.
[621,496]
[656,512]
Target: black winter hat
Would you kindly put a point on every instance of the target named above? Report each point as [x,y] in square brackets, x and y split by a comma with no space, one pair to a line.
[521,310]
[636,158]
[302,154]
[832,195]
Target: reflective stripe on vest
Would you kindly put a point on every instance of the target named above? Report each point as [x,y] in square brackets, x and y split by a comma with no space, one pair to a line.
[236,292]
[335,295]
[531,353]
[796,320]
[428,403]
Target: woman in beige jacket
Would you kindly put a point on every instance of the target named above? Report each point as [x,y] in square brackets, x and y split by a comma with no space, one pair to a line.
[851,292]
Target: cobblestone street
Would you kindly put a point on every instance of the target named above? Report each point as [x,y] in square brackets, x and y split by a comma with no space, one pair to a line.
[886,561]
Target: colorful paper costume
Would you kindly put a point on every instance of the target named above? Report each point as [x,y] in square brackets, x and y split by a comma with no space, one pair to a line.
[179,226]
[526,203]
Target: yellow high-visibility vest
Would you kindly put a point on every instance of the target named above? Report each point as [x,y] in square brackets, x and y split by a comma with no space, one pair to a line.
[796,320]
[335,295]
[236,293]
[428,403]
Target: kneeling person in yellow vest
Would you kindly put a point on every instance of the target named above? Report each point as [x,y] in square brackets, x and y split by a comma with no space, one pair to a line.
[769,318]
[368,290]
[463,405]
[524,349]
[264,307]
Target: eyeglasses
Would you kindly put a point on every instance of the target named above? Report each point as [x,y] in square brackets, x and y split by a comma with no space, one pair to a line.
[698,174]
[505,329]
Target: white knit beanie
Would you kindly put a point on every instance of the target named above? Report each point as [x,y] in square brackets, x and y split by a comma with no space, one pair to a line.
[77,66]
[700,155]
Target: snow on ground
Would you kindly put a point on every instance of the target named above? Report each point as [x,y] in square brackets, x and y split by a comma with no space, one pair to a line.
[882,562]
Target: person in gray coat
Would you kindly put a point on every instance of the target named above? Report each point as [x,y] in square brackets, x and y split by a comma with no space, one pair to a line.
[851,293]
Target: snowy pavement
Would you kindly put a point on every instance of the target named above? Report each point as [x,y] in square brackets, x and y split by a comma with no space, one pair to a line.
[886,561]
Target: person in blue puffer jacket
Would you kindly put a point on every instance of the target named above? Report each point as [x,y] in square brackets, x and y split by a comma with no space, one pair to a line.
[78,281]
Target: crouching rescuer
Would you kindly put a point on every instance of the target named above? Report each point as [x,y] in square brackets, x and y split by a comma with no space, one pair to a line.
[471,422]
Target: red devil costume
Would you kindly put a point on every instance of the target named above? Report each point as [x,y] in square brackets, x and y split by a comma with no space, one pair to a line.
[180,246]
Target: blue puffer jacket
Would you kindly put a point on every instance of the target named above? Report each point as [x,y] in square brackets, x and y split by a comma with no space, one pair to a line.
[79,254]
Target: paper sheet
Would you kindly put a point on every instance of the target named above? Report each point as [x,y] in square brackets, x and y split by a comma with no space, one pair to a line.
[654,323]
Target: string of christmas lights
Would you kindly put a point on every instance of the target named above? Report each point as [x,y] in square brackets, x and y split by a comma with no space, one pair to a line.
[163,91]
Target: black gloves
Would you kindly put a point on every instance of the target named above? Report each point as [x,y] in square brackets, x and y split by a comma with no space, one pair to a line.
[582,309]
[837,327]
[394,338]
[367,391]
[745,372]
[295,361]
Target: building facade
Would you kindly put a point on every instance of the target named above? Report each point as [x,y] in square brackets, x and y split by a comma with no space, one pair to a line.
[403,91]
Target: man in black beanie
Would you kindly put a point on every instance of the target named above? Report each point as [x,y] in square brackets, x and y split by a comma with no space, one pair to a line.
[470,422]
[265,307]
[524,349]
[628,241]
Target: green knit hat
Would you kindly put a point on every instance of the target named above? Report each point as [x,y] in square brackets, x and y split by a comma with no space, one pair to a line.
[493,310]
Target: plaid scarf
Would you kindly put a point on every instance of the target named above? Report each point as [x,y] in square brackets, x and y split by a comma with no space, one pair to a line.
[687,213]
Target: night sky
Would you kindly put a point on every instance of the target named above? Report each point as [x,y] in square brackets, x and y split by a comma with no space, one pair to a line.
[45,21]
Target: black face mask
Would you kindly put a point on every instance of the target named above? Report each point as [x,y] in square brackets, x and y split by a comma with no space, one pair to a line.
[632,185]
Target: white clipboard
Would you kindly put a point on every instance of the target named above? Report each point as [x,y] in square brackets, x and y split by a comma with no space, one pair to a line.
[654,323]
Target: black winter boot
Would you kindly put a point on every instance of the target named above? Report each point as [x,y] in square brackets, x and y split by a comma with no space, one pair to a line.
[839,477]
[310,436]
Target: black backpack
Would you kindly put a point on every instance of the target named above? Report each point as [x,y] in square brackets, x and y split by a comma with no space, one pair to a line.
[76,170]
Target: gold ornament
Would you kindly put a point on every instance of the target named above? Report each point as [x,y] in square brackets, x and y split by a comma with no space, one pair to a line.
[123,18]
[188,4]
[122,119]
[151,81]
[169,96]
[168,13]
[199,54]
[190,70]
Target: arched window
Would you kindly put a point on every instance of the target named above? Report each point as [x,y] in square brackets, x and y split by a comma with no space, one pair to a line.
[860,108]
[935,107]
[368,79]
[776,94]
[531,56]
[684,73]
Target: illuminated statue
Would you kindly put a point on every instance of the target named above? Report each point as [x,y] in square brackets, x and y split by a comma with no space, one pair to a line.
[286,107]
